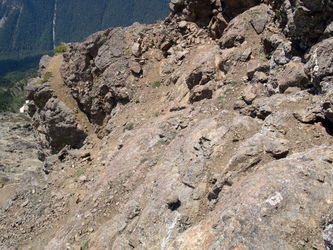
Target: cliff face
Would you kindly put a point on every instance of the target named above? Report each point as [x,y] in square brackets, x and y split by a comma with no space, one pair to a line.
[210,130]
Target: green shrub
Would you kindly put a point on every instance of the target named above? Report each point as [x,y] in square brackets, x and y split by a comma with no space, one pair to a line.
[156,84]
[81,172]
[60,49]
[262,56]
[129,126]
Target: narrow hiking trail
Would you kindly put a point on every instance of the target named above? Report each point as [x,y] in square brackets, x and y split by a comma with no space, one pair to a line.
[64,95]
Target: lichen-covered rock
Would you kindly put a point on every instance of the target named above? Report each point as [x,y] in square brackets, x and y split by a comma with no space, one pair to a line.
[320,61]
[303,21]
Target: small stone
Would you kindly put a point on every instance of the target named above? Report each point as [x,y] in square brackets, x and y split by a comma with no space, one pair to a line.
[136,50]
[24,203]
[305,116]
[321,177]
[246,55]
[182,24]
[239,104]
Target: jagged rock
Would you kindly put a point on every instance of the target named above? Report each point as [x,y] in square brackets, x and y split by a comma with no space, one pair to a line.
[305,116]
[327,222]
[49,163]
[239,104]
[210,13]
[246,55]
[303,21]
[320,61]
[43,63]
[54,122]
[78,154]
[135,67]
[292,75]
[249,94]
[200,92]
[276,147]
[327,106]
[255,65]
[260,77]
[238,30]
[202,71]
[136,50]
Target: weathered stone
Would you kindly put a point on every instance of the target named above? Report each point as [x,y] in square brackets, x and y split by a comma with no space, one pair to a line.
[255,65]
[200,92]
[292,76]
[320,61]
[249,94]
[136,50]
[135,67]
[78,154]
[246,54]
[43,63]
[260,77]
[327,106]
[239,104]
[305,116]
[276,147]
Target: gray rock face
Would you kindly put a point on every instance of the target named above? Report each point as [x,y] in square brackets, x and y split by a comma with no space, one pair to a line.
[57,127]
[320,62]
[213,14]
[303,21]
[97,67]
[264,197]
[54,123]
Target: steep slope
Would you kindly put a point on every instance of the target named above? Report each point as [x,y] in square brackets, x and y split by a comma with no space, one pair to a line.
[215,129]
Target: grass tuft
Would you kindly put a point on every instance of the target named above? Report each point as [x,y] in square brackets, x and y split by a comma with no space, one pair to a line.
[156,84]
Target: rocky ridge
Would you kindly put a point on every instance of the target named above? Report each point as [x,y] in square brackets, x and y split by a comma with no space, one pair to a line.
[210,130]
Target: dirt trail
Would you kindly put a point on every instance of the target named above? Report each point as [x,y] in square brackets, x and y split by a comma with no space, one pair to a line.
[63,93]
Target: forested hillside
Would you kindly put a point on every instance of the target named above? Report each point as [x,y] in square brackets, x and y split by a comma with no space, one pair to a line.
[31,28]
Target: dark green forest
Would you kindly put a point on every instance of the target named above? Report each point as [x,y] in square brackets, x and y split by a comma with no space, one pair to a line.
[26,30]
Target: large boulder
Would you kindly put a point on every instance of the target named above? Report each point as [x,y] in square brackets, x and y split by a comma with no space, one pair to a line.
[320,61]
[54,123]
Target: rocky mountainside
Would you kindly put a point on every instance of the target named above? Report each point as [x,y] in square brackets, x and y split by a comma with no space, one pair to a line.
[210,130]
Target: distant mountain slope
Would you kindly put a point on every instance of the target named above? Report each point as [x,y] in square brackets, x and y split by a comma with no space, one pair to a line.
[33,25]
[32,28]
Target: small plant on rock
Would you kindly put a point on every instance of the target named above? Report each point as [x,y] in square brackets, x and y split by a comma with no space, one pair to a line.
[45,77]
[262,56]
[129,126]
[60,49]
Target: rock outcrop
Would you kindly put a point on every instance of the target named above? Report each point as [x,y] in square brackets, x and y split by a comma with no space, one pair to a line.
[210,130]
